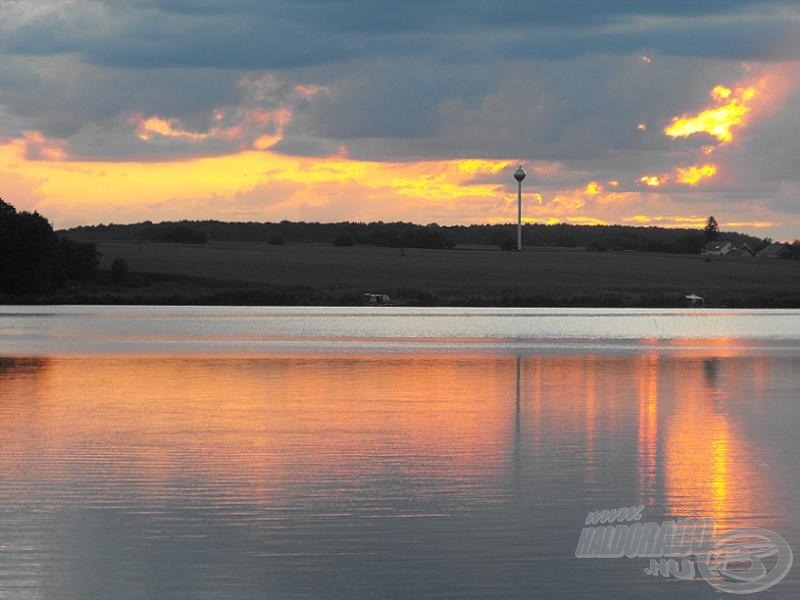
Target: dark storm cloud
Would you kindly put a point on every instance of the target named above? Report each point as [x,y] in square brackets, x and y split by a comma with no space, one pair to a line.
[383,109]
[58,96]
[302,33]
[399,70]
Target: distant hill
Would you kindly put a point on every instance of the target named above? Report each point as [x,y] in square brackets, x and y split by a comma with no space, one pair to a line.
[593,237]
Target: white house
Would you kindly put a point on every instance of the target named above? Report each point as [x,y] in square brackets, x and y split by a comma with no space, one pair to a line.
[717,248]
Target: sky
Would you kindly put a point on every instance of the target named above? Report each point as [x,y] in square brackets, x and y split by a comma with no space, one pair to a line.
[621,111]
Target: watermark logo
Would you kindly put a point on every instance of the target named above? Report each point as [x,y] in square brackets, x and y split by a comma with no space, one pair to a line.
[740,561]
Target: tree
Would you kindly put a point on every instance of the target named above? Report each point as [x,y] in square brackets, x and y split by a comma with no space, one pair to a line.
[79,260]
[344,239]
[119,270]
[711,229]
[29,261]
[183,234]
[507,242]
[794,248]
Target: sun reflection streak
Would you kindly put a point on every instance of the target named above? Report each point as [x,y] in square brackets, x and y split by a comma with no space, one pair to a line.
[648,428]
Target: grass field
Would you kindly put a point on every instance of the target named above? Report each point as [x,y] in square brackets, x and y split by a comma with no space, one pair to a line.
[251,273]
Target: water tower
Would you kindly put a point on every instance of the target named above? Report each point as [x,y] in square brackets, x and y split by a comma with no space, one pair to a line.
[519,175]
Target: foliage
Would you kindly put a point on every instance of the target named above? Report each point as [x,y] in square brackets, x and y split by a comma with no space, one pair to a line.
[410,235]
[711,229]
[119,270]
[33,260]
[79,260]
[794,248]
[29,261]
[182,234]
[506,241]
[344,239]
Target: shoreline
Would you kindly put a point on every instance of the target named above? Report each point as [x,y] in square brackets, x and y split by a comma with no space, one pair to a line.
[154,289]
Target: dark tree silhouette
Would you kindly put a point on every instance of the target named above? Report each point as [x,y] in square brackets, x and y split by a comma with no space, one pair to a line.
[344,239]
[33,260]
[119,270]
[79,260]
[410,235]
[182,234]
[29,261]
[506,241]
[711,229]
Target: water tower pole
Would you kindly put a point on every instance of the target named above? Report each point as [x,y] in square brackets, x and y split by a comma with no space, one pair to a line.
[519,175]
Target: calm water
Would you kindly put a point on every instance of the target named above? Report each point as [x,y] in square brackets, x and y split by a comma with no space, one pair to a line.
[381,453]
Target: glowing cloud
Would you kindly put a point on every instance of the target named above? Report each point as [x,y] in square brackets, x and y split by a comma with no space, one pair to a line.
[691,175]
[38,147]
[244,126]
[575,221]
[732,107]
[752,224]
[593,188]
[694,174]
[154,126]
[664,221]
[245,184]
[475,166]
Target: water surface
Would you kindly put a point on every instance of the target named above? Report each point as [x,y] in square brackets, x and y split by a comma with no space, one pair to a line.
[381,453]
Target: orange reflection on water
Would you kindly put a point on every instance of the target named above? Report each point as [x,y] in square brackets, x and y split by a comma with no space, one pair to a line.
[258,424]
[648,427]
[278,426]
[711,468]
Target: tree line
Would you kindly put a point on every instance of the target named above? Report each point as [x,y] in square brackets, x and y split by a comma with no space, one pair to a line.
[33,259]
[403,234]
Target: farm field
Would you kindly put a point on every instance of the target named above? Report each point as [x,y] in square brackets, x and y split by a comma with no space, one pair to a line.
[311,273]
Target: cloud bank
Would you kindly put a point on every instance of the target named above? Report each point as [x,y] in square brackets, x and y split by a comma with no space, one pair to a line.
[628,112]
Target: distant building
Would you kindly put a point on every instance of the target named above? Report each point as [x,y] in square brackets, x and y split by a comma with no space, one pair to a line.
[717,248]
[777,250]
[744,250]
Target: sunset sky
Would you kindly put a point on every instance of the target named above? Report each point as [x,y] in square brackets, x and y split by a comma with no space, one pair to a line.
[646,113]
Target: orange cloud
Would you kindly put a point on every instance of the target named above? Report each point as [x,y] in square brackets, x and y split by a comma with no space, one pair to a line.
[691,175]
[593,188]
[752,224]
[307,90]
[667,221]
[651,180]
[247,124]
[479,165]
[38,147]
[80,189]
[254,182]
[730,110]
[694,174]
[151,127]
[580,221]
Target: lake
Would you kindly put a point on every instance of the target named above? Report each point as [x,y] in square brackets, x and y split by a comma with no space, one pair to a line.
[344,453]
